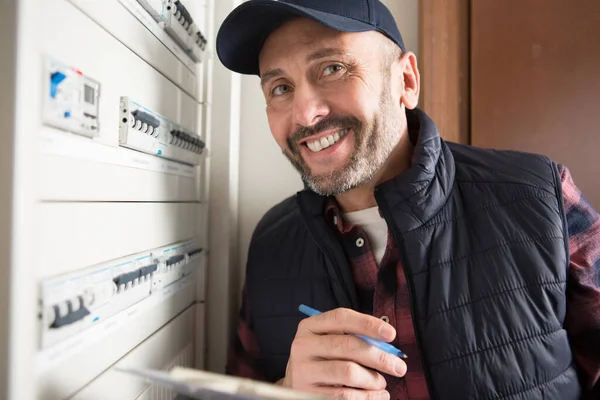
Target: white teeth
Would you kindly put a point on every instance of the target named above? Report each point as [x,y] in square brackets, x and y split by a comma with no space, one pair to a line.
[323,143]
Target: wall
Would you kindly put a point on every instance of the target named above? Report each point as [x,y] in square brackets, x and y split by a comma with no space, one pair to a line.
[7,112]
[548,87]
[223,201]
[266,177]
[25,108]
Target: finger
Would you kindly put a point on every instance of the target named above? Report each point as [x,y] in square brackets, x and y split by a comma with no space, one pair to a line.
[344,320]
[354,394]
[351,348]
[345,373]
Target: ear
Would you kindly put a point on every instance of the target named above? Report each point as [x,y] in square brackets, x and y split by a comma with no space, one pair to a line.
[412,81]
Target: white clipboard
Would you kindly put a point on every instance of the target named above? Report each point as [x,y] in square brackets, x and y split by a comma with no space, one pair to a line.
[202,385]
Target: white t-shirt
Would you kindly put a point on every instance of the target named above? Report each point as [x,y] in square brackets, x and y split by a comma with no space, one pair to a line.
[375,227]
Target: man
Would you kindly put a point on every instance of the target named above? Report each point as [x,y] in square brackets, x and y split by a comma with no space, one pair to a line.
[481,265]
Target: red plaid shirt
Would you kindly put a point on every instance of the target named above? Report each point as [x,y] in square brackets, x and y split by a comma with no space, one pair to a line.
[382,291]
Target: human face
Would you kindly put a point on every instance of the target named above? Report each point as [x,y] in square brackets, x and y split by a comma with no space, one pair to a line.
[331,104]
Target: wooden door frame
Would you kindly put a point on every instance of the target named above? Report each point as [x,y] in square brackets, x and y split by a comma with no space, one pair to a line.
[444,64]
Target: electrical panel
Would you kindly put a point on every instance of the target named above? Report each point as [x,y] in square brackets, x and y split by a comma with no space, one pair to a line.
[71,99]
[179,24]
[110,156]
[74,302]
[74,168]
[147,131]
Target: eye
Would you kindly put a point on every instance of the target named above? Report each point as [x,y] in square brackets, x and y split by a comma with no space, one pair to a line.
[280,90]
[332,69]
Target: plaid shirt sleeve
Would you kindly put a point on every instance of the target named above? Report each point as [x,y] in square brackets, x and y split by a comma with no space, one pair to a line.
[244,357]
[583,284]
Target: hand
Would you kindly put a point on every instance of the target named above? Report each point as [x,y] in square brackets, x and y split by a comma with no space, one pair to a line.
[325,360]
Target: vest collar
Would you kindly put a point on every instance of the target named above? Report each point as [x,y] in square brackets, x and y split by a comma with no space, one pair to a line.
[416,195]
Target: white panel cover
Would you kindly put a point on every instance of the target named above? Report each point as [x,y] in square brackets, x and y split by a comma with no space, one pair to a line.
[172,344]
[78,235]
[79,179]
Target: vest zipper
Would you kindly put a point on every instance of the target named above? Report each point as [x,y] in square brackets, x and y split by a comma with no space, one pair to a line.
[399,240]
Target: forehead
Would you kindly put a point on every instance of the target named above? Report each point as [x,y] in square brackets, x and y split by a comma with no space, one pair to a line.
[298,36]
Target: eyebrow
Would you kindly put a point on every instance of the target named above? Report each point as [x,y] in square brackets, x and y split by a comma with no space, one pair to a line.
[323,53]
[269,75]
[317,55]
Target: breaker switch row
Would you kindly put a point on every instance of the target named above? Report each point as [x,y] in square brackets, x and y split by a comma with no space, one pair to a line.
[175,259]
[145,130]
[145,123]
[187,141]
[126,281]
[146,118]
[176,20]
[194,252]
[183,16]
[74,302]
[201,40]
[68,312]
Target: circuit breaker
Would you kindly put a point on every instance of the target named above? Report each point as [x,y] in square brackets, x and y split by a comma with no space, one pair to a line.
[177,21]
[74,302]
[149,132]
[71,99]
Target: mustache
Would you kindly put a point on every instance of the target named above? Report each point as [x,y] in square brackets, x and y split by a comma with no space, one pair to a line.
[328,123]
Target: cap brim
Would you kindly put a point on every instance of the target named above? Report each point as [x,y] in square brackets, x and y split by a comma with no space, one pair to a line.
[244,31]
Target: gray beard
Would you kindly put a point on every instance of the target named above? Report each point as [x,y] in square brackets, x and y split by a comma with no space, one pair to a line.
[374,142]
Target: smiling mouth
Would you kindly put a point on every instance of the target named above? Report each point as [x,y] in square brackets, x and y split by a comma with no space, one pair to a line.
[320,144]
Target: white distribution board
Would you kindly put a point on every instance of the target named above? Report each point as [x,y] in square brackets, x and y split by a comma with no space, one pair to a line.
[116,218]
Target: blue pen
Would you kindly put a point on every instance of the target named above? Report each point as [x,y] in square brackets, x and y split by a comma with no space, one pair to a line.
[380,344]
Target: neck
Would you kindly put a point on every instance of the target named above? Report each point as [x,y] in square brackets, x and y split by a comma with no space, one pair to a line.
[363,197]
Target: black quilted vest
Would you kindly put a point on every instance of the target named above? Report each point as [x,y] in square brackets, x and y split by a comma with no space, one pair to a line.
[483,239]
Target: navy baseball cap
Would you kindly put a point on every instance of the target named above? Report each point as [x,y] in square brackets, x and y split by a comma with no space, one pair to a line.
[244,31]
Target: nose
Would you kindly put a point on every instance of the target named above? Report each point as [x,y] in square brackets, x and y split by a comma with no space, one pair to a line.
[309,106]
